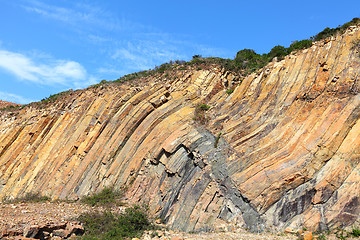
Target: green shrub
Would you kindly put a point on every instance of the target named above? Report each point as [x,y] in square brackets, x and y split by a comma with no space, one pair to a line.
[299,45]
[340,234]
[204,107]
[229,91]
[29,198]
[217,139]
[328,32]
[106,225]
[12,108]
[200,115]
[249,60]
[321,237]
[107,197]
[278,51]
[355,232]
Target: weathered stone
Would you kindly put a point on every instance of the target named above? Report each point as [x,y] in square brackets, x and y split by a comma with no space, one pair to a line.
[51,226]
[31,231]
[75,228]
[176,238]
[61,233]
[10,232]
[306,236]
[282,150]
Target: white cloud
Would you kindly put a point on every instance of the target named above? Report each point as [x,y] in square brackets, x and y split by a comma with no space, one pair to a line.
[81,15]
[157,49]
[9,97]
[145,54]
[132,46]
[53,72]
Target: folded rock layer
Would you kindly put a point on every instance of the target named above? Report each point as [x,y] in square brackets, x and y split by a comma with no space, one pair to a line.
[282,150]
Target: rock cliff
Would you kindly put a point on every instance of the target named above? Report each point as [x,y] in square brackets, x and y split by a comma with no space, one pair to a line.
[282,150]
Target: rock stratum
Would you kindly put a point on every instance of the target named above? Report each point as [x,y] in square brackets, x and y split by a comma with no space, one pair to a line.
[281,151]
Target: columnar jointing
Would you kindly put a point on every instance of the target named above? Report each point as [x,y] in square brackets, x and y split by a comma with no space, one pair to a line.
[282,150]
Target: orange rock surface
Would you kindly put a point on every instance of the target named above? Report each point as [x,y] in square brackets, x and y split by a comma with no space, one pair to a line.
[281,151]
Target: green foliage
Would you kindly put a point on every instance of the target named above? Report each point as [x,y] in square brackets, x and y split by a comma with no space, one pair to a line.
[229,91]
[132,76]
[355,232]
[249,60]
[217,140]
[245,62]
[328,32]
[12,108]
[299,45]
[107,197]
[340,234]
[200,115]
[321,237]
[163,67]
[54,97]
[204,107]
[278,51]
[106,225]
[29,198]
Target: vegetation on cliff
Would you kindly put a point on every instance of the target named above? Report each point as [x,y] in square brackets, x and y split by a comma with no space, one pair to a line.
[245,62]
[109,225]
[107,197]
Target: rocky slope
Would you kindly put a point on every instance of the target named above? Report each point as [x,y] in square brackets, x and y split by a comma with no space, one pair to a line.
[281,151]
[4,104]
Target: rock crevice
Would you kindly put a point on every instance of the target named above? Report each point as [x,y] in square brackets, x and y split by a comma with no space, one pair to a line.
[282,150]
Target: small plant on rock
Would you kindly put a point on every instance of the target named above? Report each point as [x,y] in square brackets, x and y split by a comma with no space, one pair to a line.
[229,91]
[217,139]
[107,225]
[200,114]
[355,232]
[341,234]
[321,237]
[204,107]
[30,197]
[107,197]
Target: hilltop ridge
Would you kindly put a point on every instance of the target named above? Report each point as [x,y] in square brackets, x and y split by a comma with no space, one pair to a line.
[4,104]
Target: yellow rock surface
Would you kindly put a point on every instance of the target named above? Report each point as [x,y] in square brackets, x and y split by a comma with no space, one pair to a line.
[282,150]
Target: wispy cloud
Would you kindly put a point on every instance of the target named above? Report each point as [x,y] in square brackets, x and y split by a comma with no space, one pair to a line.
[126,45]
[9,97]
[54,72]
[110,70]
[82,15]
[145,54]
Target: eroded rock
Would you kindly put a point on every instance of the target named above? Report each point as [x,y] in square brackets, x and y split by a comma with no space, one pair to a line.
[280,152]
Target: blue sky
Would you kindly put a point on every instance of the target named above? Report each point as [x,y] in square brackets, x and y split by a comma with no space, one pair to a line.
[50,46]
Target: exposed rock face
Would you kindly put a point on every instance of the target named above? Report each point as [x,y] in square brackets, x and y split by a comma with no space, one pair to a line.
[6,104]
[288,155]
